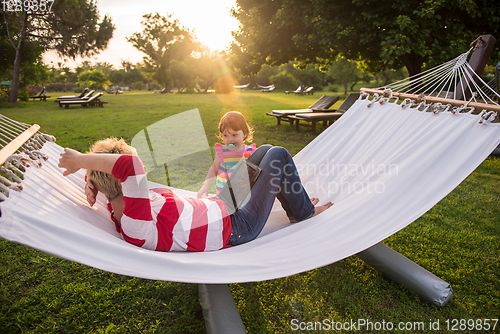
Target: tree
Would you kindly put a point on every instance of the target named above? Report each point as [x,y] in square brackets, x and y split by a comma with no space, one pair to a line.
[71,27]
[163,40]
[182,73]
[92,78]
[387,76]
[32,68]
[133,73]
[209,66]
[385,34]
[345,71]
[284,80]
[264,76]
[7,53]
[307,75]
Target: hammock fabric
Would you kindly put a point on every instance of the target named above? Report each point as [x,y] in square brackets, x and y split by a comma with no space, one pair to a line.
[383,166]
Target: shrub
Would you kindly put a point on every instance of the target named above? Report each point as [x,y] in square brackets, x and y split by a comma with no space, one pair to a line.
[284,80]
[137,85]
[59,87]
[33,90]
[23,95]
[332,88]
[4,95]
[153,86]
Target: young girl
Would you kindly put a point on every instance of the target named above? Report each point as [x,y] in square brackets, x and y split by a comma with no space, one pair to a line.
[234,131]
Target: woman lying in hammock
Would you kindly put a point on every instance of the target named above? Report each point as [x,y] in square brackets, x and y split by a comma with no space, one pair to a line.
[157,219]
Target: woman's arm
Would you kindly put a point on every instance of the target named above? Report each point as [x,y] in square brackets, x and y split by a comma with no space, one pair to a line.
[72,161]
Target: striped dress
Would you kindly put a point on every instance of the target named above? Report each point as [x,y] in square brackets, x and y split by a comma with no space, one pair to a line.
[157,219]
[228,161]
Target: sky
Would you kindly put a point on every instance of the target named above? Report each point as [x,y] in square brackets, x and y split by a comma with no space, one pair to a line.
[211,21]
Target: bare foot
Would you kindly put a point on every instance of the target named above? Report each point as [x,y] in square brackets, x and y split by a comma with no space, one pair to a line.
[321,208]
[314,201]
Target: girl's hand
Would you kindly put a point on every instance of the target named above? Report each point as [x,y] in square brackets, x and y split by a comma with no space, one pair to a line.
[91,193]
[70,160]
[203,192]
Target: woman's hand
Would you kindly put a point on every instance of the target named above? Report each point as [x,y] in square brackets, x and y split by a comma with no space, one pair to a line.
[91,193]
[70,160]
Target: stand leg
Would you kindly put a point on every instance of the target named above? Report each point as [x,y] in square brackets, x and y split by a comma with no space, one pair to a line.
[401,270]
[219,310]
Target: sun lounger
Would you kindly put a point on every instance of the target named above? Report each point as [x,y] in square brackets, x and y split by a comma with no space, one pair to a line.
[268,89]
[41,95]
[264,87]
[162,91]
[327,117]
[309,90]
[297,91]
[113,91]
[93,101]
[85,97]
[82,94]
[242,87]
[320,105]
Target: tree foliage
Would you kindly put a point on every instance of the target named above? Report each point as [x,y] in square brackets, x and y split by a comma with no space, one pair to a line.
[92,78]
[32,68]
[284,80]
[163,39]
[209,66]
[385,34]
[71,27]
[345,71]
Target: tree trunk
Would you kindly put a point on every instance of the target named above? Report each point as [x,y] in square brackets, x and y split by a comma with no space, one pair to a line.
[17,61]
[354,84]
[413,63]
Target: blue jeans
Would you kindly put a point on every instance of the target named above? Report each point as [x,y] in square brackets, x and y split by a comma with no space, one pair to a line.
[279,179]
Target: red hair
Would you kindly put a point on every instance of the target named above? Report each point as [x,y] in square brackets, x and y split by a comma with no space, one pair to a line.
[235,120]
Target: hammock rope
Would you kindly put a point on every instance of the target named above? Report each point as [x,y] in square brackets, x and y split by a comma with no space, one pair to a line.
[447,80]
[20,146]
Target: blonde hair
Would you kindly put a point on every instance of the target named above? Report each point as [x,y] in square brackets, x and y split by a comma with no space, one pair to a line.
[110,186]
[235,120]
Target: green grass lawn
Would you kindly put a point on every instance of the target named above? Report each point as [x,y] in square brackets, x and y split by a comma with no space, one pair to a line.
[457,240]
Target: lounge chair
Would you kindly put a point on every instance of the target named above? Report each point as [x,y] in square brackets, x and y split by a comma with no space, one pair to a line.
[242,87]
[85,97]
[41,95]
[309,90]
[268,89]
[297,91]
[82,94]
[161,91]
[93,101]
[113,91]
[327,117]
[320,105]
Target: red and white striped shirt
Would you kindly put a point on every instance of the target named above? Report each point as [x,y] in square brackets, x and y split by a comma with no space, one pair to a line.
[157,219]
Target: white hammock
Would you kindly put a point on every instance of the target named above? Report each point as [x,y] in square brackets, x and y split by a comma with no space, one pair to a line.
[383,166]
